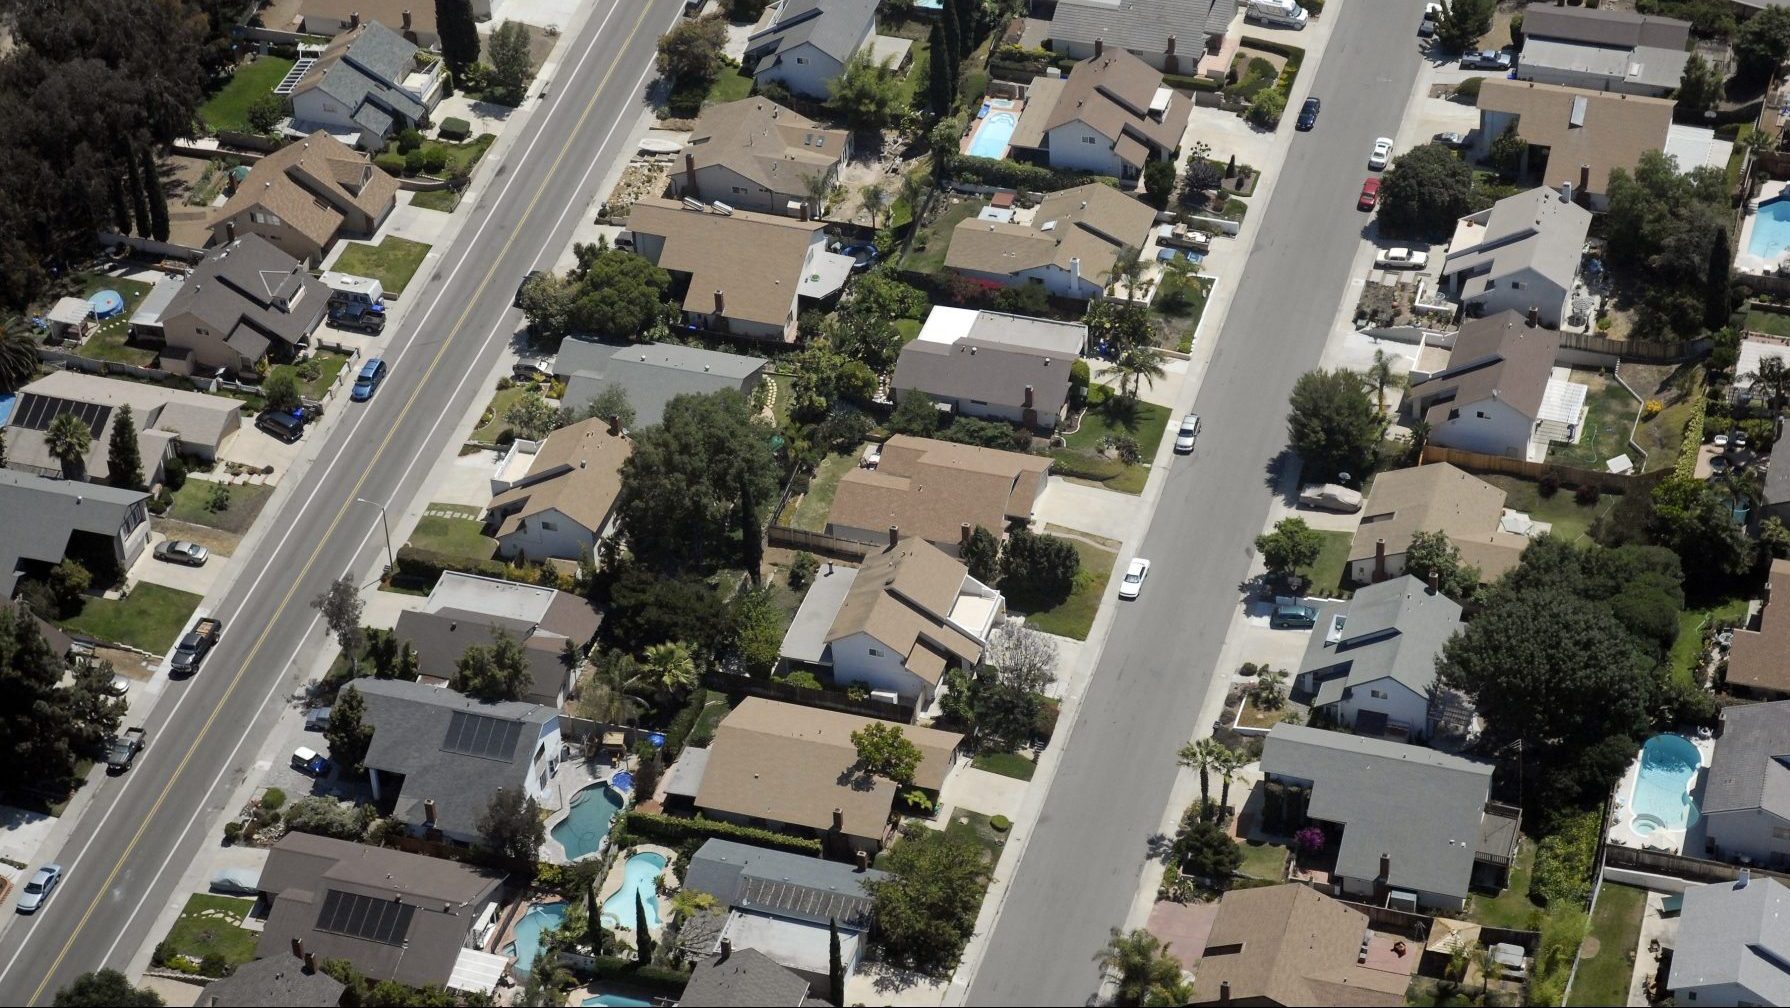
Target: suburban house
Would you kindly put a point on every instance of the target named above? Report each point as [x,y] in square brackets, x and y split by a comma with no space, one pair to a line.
[754,154]
[1069,244]
[894,625]
[993,365]
[305,195]
[1412,827]
[1370,664]
[1777,490]
[808,43]
[1170,35]
[937,490]
[49,519]
[1575,137]
[368,85]
[1746,795]
[1436,498]
[738,272]
[566,502]
[1490,397]
[1604,50]
[1754,351]
[1290,945]
[1111,116]
[438,757]
[168,421]
[794,769]
[1521,254]
[744,978]
[780,904]
[396,916]
[1733,944]
[413,19]
[279,980]
[243,302]
[1759,658]
[652,374]
[467,609]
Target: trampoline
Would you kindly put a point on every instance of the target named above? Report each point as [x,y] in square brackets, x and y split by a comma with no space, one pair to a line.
[107,304]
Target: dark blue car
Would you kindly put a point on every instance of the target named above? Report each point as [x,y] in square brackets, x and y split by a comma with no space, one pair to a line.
[1308,114]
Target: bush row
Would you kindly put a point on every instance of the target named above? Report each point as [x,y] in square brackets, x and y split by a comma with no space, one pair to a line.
[674,830]
[1693,441]
[1014,175]
[658,978]
[424,567]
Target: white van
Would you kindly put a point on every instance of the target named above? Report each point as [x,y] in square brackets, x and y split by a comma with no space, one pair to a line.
[1277,13]
[347,289]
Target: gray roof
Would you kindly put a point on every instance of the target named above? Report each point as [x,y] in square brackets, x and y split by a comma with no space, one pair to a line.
[1420,808]
[1144,26]
[1535,229]
[276,982]
[806,638]
[251,283]
[1391,630]
[369,73]
[781,884]
[1735,933]
[745,979]
[652,373]
[1619,29]
[994,361]
[1661,68]
[41,513]
[1777,483]
[149,310]
[414,734]
[835,27]
[442,637]
[1751,766]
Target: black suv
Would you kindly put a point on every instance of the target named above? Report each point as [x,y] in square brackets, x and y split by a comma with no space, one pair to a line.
[1308,114]
[288,426]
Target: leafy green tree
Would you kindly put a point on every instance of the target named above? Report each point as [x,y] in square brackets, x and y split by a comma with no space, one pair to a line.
[926,908]
[692,49]
[612,401]
[1205,851]
[1774,537]
[618,295]
[1024,299]
[867,95]
[280,391]
[124,463]
[1137,366]
[835,966]
[106,988]
[37,721]
[915,414]
[669,668]
[1762,43]
[1699,89]
[68,438]
[607,692]
[755,631]
[348,734]
[1137,961]
[1507,152]
[942,84]
[1662,228]
[1293,544]
[643,939]
[549,301]
[1118,324]
[265,112]
[1695,520]
[532,417]
[1333,424]
[1038,570]
[510,64]
[1159,182]
[459,34]
[158,199]
[881,294]
[1463,22]
[1433,553]
[982,555]
[646,609]
[341,606]
[884,750]
[95,712]
[1266,108]
[511,826]
[1424,191]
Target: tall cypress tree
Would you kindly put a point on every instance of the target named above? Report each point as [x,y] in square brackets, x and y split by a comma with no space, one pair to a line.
[965,13]
[121,211]
[942,88]
[134,185]
[953,39]
[158,201]
[593,913]
[1718,300]
[124,464]
[751,537]
[835,965]
[643,942]
[459,34]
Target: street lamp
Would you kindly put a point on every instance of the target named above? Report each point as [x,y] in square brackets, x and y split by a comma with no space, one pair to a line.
[390,561]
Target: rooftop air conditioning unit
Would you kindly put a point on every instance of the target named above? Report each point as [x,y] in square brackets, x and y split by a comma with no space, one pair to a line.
[692,204]
[722,208]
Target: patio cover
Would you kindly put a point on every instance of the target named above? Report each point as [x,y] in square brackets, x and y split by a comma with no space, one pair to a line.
[71,311]
[1563,402]
[477,971]
[149,314]
[825,274]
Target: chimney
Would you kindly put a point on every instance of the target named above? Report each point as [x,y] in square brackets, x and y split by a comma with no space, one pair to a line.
[310,962]
[429,811]
[839,814]
[1075,268]
[863,859]
[1584,180]
[726,949]
[1566,192]
[298,947]
[690,186]
[1028,400]
[963,534]
[1170,50]
[615,425]
[1435,581]
[1224,992]
[1385,866]
[354,20]
[229,231]
[894,538]
[1746,875]
[1099,48]
[1534,316]
[720,302]
[1379,560]
[804,211]
[406,19]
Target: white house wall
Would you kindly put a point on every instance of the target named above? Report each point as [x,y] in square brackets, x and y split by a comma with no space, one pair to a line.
[549,534]
[1399,704]
[1754,833]
[804,70]
[1076,146]
[1490,425]
[862,658]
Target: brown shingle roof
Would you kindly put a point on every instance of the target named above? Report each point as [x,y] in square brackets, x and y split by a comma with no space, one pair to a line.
[1290,945]
[1438,498]
[902,596]
[765,142]
[307,184]
[931,488]
[1112,94]
[1087,222]
[1501,356]
[1617,128]
[757,259]
[1760,659]
[576,471]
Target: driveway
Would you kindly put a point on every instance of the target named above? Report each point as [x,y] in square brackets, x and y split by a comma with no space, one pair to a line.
[198,580]
[1105,513]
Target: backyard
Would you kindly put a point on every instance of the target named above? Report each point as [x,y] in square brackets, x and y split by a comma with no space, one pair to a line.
[931,241]
[1571,520]
[1772,323]
[148,619]
[1511,908]
[211,926]
[197,502]
[228,109]
[1074,616]
[811,511]
[392,262]
[109,339]
[1609,417]
[453,530]
[1606,959]
[1690,633]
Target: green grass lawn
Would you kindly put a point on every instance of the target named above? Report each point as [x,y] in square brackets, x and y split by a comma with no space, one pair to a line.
[1326,573]
[1571,520]
[1610,417]
[1511,908]
[780,406]
[392,262]
[908,328]
[926,253]
[149,619]
[461,536]
[1005,764]
[811,512]
[462,157]
[1690,633]
[109,340]
[974,825]
[192,503]
[212,925]
[228,109]
[1769,322]
[491,430]
[732,85]
[1605,971]
[329,365]
[1264,861]
[714,708]
[1109,416]
[1179,317]
[1075,615]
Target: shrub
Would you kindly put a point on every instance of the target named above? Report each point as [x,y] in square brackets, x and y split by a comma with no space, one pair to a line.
[413,162]
[390,163]
[1549,485]
[164,951]
[674,831]
[1000,824]
[174,473]
[1563,862]
[1267,109]
[272,799]
[455,129]
[232,833]
[409,139]
[1587,495]
[214,965]
[801,570]
[1013,175]
[1686,466]
[434,158]
[1651,408]
[1469,88]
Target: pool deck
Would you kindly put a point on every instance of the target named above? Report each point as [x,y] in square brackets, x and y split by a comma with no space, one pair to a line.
[573,776]
[1622,832]
[618,873]
[1745,261]
[1012,105]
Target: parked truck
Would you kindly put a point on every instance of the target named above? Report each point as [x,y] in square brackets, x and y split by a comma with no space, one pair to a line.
[125,748]
[195,645]
[1277,13]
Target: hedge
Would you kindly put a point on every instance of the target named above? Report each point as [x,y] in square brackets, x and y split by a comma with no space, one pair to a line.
[660,978]
[425,567]
[674,830]
[1014,175]
[455,129]
[1192,83]
[1693,440]
[1279,49]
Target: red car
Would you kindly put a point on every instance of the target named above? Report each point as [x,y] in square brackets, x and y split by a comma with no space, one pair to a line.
[1370,195]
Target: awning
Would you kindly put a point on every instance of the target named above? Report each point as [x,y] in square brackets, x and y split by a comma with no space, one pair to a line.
[149,314]
[477,972]
[824,274]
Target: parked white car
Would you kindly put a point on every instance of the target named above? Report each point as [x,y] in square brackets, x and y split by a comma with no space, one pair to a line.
[1330,497]
[1133,584]
[1188,433]
[1402,259]
[1382,154]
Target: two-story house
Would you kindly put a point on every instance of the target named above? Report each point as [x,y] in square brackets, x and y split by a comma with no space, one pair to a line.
[1521,254]
[305,195]
[1170,35]
[937,490]
[1111,116]
[243,302]
[464,610]
[1068,246]
[1746,796]
[808,43]
[45,517]
[754,154]
[367,86]
[1604,50]
[1490,396]
[1370,663]
[565,503]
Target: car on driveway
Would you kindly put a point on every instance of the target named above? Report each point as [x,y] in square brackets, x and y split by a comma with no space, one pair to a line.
[287,425]
[182,552]
[1401,259]
[1486,59]
[367,382]
[38,890]
[1382,154]
[1188,434]
[1330,497]
[1308,115]
[1370,195]
[310,761]
[1133,584]
[1293,617]
[1450,139]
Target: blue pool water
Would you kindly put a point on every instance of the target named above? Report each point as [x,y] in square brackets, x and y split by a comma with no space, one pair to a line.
[7,402]
[616,1001]
[582,831]
[621,782]
[640,876]
[539,920]
[1771,229]
[992,140]
[1662,797]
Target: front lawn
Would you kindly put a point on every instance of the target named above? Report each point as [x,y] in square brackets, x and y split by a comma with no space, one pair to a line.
[454,530]
[811,511]
[926,252]
[197,502]
[1074,616]
[228,109]
[688,98]
[976,827]
[1006,764]
[324,364]
[1265,861]
[494,427]
[1326,572]
[149,619]
[1511,908]
[461,159]
[1606,958]
[1690,634]
[212,926]
[392,262]
[1110,416]
[1570,519]
[1176,311]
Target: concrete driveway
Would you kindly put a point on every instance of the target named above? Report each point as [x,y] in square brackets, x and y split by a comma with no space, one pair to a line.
[198,580]
[1105,513]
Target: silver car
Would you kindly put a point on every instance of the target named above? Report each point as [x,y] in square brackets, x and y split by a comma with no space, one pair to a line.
[38,890]
[182,552]
[1188,434]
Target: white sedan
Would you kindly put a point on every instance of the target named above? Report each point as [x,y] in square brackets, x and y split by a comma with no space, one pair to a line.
[1402,259]
[1133,584]
[1381,155]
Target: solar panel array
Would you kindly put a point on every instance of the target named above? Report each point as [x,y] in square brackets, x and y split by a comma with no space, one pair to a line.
[807,902]
[359,916]
[485,737]
[34,412]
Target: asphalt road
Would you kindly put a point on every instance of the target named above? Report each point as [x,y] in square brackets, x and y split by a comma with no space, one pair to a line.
[142,830]
[1079,873]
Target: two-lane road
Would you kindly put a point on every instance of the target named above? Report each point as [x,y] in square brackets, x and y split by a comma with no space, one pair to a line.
[141,831]
[1080,870]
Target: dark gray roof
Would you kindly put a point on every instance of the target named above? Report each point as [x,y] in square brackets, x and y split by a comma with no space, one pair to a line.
[1735,933]
[442,637]
[1143,26]
[1419,807]
[835,27]
[41,512]
[1751,766]
[370,72]
[1621,29]
[745,979]
[993,363]
[251,283]
[782,884]
[1777,483]
[1394,629]
[276,982]
[652,373]
[442,742]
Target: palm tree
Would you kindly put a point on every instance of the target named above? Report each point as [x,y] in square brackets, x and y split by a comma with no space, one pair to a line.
[18,354]
[1137,962]
[817,185]
[1127,269]
[1772,378]
[1420,436]
[669,667]
[607,695]
[1170,993]
[1204,756]
[875,197]
[1380,372]
[69,438]
[1227,766]
[1138,364]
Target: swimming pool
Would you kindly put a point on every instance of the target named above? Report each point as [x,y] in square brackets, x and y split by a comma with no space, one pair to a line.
[638,878]
[1771,230]
[525,943]
[7,401]
[587,823]
[616,1001]
[992,138]
[1662,799]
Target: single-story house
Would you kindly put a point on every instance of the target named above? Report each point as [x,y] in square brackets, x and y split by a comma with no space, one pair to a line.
[652,374]
[1733,944]
[305,195]
[438,757]
[1575,137]
[745,979]
[168,421]
[738,272]
[1289,945]
[396,916]
[1370,663]
[1413,828]
[1069,246]
[1604,50]
[794,769]
[467,609]
[993,365]
[413,19]
[566,502]
[808,43]
[894,625]
[1170,35]
[45,517]
[937,490]
[1759,658]
[754,154]
[1112,116]
[1746,795]
[1433,498]
[1521,254]
[282,980]
[1490,396]
[368,85]
[243,302]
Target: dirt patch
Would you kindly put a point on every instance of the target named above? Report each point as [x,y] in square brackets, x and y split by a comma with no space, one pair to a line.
[1591,948]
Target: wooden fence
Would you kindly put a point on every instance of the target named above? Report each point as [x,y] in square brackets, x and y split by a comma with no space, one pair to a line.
[1680,866]
[817,542]
[1636,351]
[1569,476]
[737,686]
